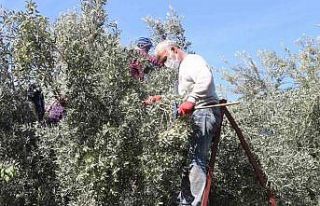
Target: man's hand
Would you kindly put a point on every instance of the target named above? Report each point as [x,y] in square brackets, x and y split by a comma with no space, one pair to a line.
[152,99]
[186,108]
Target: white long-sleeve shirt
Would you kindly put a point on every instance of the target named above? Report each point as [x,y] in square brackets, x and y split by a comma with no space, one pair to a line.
[196,82]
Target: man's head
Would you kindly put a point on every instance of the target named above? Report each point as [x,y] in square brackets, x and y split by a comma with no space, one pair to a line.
[169,54]
[35,96]
[144,44]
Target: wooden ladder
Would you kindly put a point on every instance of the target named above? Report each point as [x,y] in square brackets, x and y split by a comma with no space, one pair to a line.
[254,163]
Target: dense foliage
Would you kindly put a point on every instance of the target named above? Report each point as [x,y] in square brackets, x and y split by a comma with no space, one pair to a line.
[111,149]
[280,112]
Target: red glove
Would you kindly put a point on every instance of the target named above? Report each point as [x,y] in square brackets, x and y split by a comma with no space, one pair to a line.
[152,99]
[186,108]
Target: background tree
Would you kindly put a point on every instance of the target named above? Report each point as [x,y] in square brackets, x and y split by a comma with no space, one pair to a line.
[170,28]
[27,176]
[280,115]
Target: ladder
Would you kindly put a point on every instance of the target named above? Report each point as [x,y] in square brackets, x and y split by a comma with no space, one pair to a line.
[254,163]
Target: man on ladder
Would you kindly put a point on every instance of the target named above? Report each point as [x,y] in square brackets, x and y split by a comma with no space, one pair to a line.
[201,103]
[196,85]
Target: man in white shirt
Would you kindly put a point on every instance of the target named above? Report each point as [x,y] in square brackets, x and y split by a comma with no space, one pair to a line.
[196,85]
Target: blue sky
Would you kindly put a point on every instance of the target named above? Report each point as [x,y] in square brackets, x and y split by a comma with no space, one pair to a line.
[216,28]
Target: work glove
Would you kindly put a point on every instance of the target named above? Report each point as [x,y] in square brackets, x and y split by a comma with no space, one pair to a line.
[186,108]
[152,99]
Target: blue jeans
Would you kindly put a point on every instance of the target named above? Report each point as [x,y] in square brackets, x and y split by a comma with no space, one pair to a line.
[206,123]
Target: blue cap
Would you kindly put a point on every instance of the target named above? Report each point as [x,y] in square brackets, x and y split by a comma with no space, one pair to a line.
[144,43]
